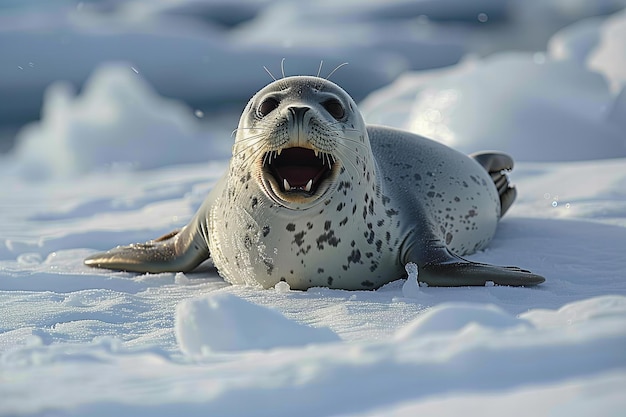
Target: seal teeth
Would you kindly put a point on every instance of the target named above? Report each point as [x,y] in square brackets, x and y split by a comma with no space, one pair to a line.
[286,185]
[279,151]
[308,185]
[317,153]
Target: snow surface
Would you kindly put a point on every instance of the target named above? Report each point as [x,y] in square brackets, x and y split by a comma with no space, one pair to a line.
[80,341]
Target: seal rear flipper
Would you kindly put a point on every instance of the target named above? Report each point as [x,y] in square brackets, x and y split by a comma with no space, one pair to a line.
[175,252]
[497,164]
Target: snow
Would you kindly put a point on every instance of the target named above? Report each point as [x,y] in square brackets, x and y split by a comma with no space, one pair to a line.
[81,341]
[411,287]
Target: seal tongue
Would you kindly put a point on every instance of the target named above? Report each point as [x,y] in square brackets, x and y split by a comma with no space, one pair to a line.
[298,176]
[298,169]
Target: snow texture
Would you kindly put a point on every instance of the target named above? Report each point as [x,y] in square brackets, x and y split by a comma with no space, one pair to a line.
[114,159]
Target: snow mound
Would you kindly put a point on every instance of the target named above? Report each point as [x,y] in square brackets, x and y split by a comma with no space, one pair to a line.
[520,103]
[609,306]
[576,41]
[225,322]
[118,120]
[597,43]
[453,317]
[609,58]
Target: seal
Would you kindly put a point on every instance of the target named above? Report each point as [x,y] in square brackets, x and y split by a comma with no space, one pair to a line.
[314,197]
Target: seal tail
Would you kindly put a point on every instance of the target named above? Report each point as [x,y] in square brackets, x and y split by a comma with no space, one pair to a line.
[497,165]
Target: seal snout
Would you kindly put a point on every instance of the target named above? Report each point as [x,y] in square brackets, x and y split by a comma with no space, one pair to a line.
[298,112]
[299,169]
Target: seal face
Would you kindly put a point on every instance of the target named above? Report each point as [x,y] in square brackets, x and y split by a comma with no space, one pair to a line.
[314,197]
[292,132]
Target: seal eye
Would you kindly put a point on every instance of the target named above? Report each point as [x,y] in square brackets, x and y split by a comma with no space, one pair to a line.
[334,107]
[267,106]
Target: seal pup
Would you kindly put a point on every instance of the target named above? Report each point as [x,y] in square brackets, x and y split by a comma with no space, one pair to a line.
[314,197]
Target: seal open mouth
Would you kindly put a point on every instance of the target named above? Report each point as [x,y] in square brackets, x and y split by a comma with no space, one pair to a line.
[298,170]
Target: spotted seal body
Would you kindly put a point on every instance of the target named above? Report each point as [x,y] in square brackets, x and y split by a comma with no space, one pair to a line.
[314,197]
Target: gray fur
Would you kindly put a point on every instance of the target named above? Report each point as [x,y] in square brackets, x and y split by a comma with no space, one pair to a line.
[391,198]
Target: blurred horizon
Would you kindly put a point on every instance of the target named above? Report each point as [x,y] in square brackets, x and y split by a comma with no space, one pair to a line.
[210,54]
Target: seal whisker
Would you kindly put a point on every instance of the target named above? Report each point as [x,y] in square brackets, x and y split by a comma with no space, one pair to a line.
[255,138]
[348,148]
[265,157]
[319,70]
[336,68]
[253,155]
[241,150]
[345,158]
[328,156]
[239,147]
[251,138]
[269,72]
[354,141]
[262,132]
[247,128]
[320,80]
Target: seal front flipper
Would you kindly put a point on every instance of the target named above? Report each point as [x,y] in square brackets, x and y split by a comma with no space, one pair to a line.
[444,269]
[465,273]
[178,251]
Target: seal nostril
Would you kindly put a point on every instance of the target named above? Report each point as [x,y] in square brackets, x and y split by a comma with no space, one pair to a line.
[298,112]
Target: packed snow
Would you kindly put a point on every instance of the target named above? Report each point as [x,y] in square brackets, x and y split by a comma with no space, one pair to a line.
[116,158]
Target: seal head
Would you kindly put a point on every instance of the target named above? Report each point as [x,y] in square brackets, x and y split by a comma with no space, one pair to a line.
[308,168]
[296,132]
